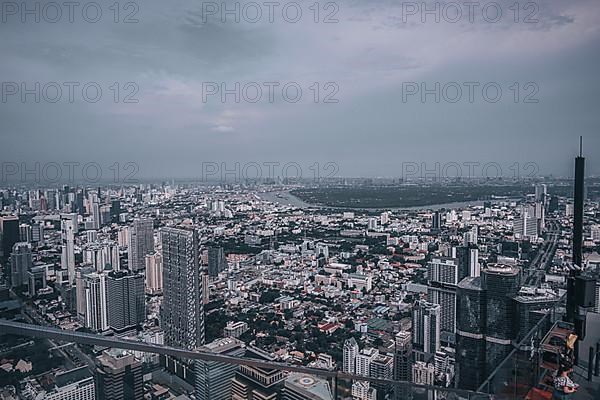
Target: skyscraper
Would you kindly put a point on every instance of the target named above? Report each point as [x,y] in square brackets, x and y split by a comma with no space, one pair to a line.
[182,310]
[578,208]
[119,376]
[154,274]
[426,327]
[125,300]
[486,323]
[9,231]
[402,364]
[436,221]
[96,317]
[141,243]
[501,283]
[213,379]
[20,264]
[216,261]
[68,226]
[470,333]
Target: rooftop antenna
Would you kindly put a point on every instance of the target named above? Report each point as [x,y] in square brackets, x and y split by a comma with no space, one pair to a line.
[580,146]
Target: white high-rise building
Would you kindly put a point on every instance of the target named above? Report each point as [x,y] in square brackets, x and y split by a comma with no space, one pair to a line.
[96,311]
[68,225]
[154,274]
[350,352]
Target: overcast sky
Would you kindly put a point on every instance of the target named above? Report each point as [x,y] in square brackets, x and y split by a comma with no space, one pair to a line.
[372,54]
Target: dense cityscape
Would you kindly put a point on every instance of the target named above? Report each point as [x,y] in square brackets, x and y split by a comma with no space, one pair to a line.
[422,302]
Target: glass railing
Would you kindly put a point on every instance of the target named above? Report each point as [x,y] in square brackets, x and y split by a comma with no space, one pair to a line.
[40,362]
[526,372]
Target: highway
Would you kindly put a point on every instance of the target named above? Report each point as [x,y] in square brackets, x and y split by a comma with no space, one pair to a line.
[540,264]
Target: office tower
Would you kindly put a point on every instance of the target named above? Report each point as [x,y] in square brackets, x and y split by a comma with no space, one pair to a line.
[470,333]
[25,233]
[403,364]
[37,233]
[9,231]
[216,261]
[402,356]
[105,216]
[119,376]
[426,327]
[125,300]
[468,261]
[436,221]
[68,224]
[20,264]
[362,390]
[95,212]
[213,379]
[154,274]
[141,243]
[96,317]
[115,210]
[350,352]
[182,310]
[306,387]
[501,283]
[256,383]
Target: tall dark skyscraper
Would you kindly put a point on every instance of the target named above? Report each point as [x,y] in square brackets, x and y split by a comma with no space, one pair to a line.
[578,207]
[486,322]
[501,283]
[578,193]
[9,233]
[470,333]
[125,300]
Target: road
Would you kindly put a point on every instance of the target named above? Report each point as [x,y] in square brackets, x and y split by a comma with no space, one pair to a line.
[541,263]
